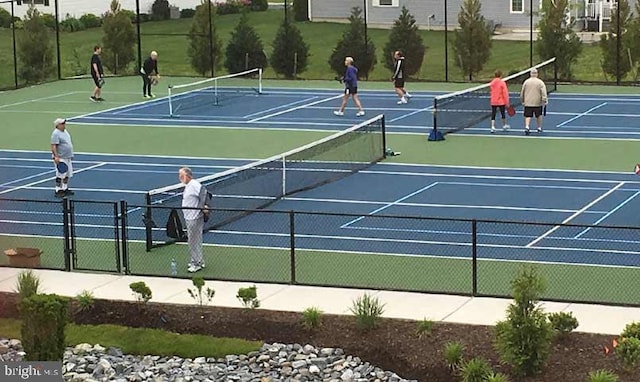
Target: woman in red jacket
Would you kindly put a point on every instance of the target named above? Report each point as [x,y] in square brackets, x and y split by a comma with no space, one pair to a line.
[499,100]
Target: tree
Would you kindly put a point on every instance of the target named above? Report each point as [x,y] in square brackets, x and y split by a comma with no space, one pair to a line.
[245,50]
[633,40]
[301,10]
[405,36]
[199,48]
[615,61]
[472,45]
[290,53]
[35,50]
[557,37]
[352,44]
[160,10]
[119,39]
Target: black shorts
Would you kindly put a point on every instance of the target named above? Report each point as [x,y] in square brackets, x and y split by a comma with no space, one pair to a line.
[351,90]
[398,82]
[96,80]
[494,110]
[530,111]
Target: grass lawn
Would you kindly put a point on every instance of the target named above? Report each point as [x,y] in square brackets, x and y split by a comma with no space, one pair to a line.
[169,39]
[144,341]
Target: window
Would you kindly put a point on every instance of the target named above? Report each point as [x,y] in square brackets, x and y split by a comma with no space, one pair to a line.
[35,2]
[517,6]
[385,3]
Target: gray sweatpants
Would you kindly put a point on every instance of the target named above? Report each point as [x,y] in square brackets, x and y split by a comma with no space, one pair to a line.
[194,235]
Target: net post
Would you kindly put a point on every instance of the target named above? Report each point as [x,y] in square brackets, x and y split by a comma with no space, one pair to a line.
[215,91]
[383,130]
[435,134]
[259,80]
[555,73]
[170,104]
[284,175]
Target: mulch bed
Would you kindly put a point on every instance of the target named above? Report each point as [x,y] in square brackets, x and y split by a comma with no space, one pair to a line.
[393,345]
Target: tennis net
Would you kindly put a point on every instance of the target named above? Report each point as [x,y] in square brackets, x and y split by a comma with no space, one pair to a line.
[239,191]
[213,91]
[466,108]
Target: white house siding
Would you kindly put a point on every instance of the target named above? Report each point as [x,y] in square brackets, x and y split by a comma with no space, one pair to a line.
[498,11]
[77,8]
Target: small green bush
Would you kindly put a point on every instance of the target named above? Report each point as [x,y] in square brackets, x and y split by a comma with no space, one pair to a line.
[249,297]
[71,24]
[259,5]
[631,330]
[49,20]
[475,370]
[602,376]
[141,291]
[85,300]
[563,323]
[5,18]
[367,311]
[28,284]
[44,318]
[628,350]
[453,355]
[424,327]
[312,318]
[91,21]
[187,13]
[497,377]
[197,293]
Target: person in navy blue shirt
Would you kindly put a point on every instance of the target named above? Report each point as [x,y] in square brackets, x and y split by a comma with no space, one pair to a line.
[350,80]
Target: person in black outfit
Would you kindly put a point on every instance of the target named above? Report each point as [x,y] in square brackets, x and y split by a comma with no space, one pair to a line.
[149,73]
[399,77]
[97,73]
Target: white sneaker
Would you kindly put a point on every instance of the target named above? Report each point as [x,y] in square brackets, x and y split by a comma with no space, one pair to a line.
[539,129]
[152,95]
[194,268]
[338,113]
[406,94]
[402,100]
[505,127]
[360,113]
[493,130]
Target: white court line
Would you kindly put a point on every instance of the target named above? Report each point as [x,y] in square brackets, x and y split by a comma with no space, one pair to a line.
[49,179]
[29,177]
[390,204]
[607,215]
[38,111]
[37,99]
[279,107]
[565,221]
[581,114]
[295,108]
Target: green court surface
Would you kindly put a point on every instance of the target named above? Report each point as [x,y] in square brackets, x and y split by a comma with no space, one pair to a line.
[28,114]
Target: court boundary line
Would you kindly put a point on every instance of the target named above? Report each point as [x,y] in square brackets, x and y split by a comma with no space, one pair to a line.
[611,212]
[130,155]
[581,114]
[39,99]
[295,108]
[567,220]
[48,179]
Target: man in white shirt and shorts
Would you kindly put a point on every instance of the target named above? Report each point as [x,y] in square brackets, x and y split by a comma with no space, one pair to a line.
[193,203]
[62,151]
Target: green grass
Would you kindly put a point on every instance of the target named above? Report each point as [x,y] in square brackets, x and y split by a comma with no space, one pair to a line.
[138,341]
[76,48]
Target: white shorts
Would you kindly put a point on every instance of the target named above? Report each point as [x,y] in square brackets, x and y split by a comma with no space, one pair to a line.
[69,172]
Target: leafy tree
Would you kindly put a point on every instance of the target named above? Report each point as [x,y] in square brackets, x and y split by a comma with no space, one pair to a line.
[633,40]
[301,10]
[35,50]
[353,44]
[119,39]
[405,36]
[160,10]
[557,37]
[290,53]
[245,50]
[472,45]
[199,49]
[616,63]
[5,18]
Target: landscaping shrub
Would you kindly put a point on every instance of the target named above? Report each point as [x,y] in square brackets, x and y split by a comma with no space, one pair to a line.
[141,291]
[602,376]
[202,297]
[187,13]
[367,311]
[311,318]
[28,284]
[249,297]
[91,21]
[475,370]
[43,321]
[563,323]
[453,355]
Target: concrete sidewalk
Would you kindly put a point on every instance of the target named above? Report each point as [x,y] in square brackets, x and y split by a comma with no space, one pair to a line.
[415,306]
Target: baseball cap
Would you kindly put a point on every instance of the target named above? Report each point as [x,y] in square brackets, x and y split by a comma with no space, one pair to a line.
[59,121]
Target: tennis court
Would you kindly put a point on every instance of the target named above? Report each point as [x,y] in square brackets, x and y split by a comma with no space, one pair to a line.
[391,225]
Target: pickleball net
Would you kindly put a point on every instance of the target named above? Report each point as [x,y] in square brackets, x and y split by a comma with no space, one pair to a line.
[213,91]
[238,192]
[466,108]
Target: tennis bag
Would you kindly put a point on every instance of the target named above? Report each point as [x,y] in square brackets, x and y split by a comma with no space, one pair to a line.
[174,226]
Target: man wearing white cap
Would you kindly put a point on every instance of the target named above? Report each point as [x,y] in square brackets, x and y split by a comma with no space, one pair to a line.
[533,97]
[62,150]
[149,73]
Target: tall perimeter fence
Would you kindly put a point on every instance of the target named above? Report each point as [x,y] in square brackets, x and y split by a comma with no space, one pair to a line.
[74,30]
[405,253]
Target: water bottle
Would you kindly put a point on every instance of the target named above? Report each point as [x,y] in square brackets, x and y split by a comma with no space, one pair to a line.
[174,267]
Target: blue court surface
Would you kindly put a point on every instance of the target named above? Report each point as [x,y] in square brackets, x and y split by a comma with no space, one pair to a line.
[569,115]
[367,200]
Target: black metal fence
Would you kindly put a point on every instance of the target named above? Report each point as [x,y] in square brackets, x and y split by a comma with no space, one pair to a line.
[74,35]
[581,263]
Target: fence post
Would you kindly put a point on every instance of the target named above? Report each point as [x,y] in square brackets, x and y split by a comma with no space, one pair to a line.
[66,229]
[474,256]
[116,237]
[292,238]
[15,53]
[125,243]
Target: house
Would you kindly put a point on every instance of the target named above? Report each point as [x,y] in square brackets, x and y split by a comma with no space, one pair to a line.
[77,8]
[430,14]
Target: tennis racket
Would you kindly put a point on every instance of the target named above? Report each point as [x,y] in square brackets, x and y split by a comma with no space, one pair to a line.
[101,82]
[511,111]
[62,167]
[339,79]
[544,110]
